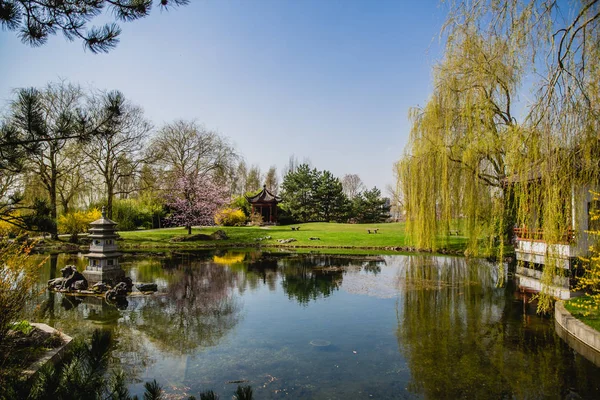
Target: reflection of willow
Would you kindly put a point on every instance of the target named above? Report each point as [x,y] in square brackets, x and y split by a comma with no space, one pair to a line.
[196,311]
[460,340]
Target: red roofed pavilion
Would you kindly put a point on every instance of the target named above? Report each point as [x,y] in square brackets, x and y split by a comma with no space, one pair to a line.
[265,204]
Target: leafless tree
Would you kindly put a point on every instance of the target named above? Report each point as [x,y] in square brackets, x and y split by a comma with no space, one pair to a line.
[120,131]
[271,180]
[185,148]
[352,185]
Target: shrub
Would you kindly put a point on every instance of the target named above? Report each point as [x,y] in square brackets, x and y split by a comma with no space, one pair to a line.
[9,230]
[76,222]
[230,217]
[256,219]
[18,275]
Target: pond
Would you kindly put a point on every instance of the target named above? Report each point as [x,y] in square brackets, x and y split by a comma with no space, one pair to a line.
[321,327]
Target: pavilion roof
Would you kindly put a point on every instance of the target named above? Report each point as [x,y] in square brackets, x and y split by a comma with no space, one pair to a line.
[264,196]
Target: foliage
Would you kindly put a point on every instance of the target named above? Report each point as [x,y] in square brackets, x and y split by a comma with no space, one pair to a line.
[35,21]
[590,281]
[256,219]
[230,217]
[18,275]
[370,207]
[297,192]
[194,201]
[470,157]
[8,230]
[22,326]
[131,214]
[312,195]
[40,218]
[76,222]
[331,203]
[586,309]
[243,393]
[241,203]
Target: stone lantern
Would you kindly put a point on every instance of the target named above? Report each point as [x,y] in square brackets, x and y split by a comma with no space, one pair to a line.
[104,256]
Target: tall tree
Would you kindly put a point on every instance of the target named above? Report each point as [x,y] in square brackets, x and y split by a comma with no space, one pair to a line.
[271,180]
[370,207]
[52,114]
[352,185]
[187,148]
[253,179]
[120,131]
[330,201]
[35,20]
[194,201]
[297,192]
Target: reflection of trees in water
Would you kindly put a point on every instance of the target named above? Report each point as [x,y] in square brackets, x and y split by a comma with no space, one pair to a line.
[309,277]
[197,309]
[460,340]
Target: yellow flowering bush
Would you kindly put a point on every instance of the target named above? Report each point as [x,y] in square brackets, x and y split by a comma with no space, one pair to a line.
[77,222]
[230,217]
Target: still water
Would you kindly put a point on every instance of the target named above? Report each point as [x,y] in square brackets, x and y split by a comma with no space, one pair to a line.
[328,327]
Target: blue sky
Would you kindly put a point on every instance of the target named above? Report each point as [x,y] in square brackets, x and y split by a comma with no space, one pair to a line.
[331,81]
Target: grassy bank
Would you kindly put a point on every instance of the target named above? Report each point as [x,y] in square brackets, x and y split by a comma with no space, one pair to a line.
[586,310]
[324,235]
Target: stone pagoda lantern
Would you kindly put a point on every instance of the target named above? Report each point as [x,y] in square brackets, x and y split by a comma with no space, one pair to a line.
[104,256]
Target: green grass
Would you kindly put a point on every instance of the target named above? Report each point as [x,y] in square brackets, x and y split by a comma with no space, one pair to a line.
[585,309]
[331,235]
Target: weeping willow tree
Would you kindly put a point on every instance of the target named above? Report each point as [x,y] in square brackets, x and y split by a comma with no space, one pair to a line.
[481,159]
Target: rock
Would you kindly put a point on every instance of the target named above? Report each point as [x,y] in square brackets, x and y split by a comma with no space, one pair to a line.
[283,241]
[314,238]
[128,283]
[56,284]
[219,235]
[119,291]
[100,287]
[147,287]
[72,279]
[191,238]
[80,285]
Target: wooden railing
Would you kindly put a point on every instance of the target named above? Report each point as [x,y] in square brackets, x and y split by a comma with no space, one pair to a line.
[537,235]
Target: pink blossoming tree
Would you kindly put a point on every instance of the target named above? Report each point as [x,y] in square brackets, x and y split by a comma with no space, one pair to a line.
[194,200]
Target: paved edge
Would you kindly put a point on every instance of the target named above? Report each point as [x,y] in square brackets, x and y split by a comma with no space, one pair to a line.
[51,356]
[575,327]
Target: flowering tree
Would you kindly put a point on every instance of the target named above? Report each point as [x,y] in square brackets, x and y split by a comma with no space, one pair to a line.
[194,200]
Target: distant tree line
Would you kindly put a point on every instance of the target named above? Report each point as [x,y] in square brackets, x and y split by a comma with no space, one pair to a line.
[65,153]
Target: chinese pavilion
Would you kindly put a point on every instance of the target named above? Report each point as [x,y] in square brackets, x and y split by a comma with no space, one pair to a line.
[265,204]
[104,255]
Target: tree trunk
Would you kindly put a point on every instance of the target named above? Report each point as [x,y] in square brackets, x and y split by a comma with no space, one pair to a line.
[109,199]
[189,228]
[53,212]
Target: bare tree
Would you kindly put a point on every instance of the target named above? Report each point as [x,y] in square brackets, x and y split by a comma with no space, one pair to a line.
[253,179]
[120,131]
[185,148]
[271,180]
[352,185]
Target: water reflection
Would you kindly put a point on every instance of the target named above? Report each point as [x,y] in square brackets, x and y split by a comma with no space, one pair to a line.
[395,326]
[465,338]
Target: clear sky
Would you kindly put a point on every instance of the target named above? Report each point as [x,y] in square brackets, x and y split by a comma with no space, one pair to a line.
[327,80]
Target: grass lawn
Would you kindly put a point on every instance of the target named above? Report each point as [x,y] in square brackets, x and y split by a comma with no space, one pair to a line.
[586,310]
[331,235]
